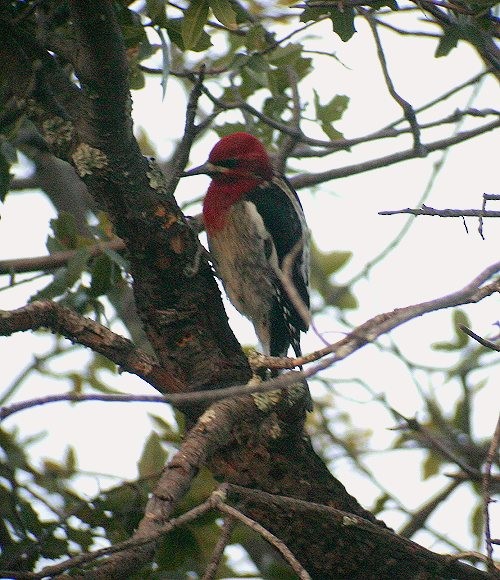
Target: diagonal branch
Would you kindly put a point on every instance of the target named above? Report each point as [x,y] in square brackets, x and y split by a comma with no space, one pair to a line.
[408,110]
[62,320]
[301,181]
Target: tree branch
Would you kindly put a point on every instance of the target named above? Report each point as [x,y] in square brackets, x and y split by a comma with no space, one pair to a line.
[408,110]
[426,210]
[309,180]
[55,260]
[89,333]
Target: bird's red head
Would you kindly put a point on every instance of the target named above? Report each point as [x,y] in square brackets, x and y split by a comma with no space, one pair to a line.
[237,164]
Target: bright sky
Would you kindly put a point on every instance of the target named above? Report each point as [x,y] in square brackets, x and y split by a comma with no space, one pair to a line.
[437,257]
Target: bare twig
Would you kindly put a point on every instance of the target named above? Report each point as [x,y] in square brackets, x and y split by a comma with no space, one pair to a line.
[9,410]
[486,343]
[307,180]
[491,456]
[408,110]
[55,260]
[426,210]
[267,535]
[222,542]
[181,155]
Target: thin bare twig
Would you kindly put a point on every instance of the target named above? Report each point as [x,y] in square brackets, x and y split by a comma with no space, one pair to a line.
[491,456]
[486,197]
[444,96]
[222,542]
[431,211]
[55,260]
[408,110]
[289,141]
[181,156]
[307,180]
[486,343]
[267,535]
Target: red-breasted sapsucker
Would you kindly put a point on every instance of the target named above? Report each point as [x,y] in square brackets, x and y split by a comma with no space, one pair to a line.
[254,222]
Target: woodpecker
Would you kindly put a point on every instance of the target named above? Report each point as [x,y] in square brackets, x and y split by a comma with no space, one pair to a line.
[254,221]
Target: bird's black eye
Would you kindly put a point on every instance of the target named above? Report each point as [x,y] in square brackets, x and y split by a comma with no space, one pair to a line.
[228,163]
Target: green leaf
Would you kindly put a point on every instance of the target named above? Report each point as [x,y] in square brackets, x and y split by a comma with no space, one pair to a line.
[174,31]
[56,287]
[430,466]
[343,22]
[255,38]
[283,55]
[461,416]
[448,41]
[102,275]
[257,68]
[70,460]
[65,230]
[117,259]
[224,13]
[381,503]
[461,339]
[314,13]
[153,457]
[278,81]
[131,26]
[330,262]
[345,299]
[53,548]
[195,18]
[76,265]
[169,433]
[477,521]
[155,9]
[274,106]
[228,128]
[136,77]
[331,112]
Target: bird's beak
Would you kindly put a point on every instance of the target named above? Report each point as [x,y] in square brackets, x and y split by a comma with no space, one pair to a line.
[206,169]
